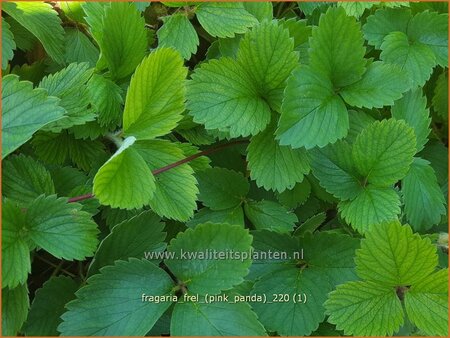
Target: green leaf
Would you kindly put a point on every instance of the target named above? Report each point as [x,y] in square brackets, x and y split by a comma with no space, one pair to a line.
[155,98]
[48,305]
[311,109]
[333,167]
[356,9]
[336,48]
[232,216]
[111,303]
[365,309]
[371,207]
[273,166]
[270,215]
[296,196]
[24,111]
[24,179]
[125,180]
[223,19]
[61,228]
[124,39]
[175,189]
[359,120]
[423,198]
[437,154]
[215,319]
[260,10]
[384,151]
[412,108]
[79,48]
[15,304]
[407,258]
[131,238]
[221,188]
[43,22]
[380,85]
[178,32]
[440,97]
[211,273]
[414,58]
[426,304]
[8,44]
[95,12]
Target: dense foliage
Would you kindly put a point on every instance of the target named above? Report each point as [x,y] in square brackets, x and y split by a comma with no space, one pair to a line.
[134,132]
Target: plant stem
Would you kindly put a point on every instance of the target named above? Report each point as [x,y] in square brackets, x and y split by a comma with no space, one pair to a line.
[55,266]
[173,165]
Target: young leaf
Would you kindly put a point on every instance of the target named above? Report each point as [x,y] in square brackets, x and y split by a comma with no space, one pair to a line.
[270,215]
[8,44]
[155,98]
[15,304]
[111,302]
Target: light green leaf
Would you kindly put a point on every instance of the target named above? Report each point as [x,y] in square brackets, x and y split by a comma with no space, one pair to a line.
[414,58]
[383,151]
[423,198]
[412,108]
[311,114]
[79,48]
[15,304]
[111,303]
[426,304]
[215,319]
[124,39]
[273,166]
[175,189]
[232,216]
[24,111]
[24,179]
[371,207]
[380,85]
[224,19]
[221,188]
[48,305]
[210,273]
[131,238]
[440,97]
[8,44]
[178,32]
[333,167]
[155,98]
[270,215]
[365,309]
[356,8]
[42,21]
[336,48]
[406,257]
[95,12]
[260,10]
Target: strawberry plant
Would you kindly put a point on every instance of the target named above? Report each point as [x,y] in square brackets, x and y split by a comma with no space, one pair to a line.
[224,168]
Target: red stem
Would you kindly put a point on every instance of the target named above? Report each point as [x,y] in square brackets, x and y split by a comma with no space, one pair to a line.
[172,165]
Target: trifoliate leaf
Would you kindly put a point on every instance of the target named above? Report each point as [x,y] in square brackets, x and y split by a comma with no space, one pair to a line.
[131,238]
[260,10]
[15,304]
[24,179]
[221,188]
[423,198]
[112,304]
[210,273]
[43,22]
[371,207]
[125,180]
[380,85]
[407,258]
[414,58]
[8,44]
[440,97]
[311,114]
[178,32]
[79,48]
[365,309]
[383,151]
[232,216]
[273,166]
[336,48]
[175,189]
[412,108]
[124,39]
[24,111]
[16,262]
[215,319]
[155,98]
[426,304]
[48,305]
[333,167]
[270,215]
[224,19]
[296,196]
